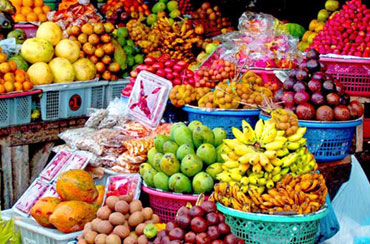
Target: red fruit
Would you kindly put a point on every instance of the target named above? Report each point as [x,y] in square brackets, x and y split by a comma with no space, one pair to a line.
[230,239]
[176,81]
[161,72]
[224,228]
[149,60]
[218,242]
[332,99]
[182,221]
[305,111]
[169,76]
[212,218]
[190,237]
[169,226]
[158,65]
[324,113]
[198,225]
[356,109]
[208,206]
[176,234]
[301,97]
[177,68]
[182,64]
[202,238]
[169,63]
[196,211]
[213,232]
[342,113]
[221,217]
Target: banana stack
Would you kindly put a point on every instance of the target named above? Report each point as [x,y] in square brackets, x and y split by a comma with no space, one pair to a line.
[301,194]
[258,159]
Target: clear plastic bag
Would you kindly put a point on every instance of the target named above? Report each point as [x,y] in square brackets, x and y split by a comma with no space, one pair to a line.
[10,47]
[95,118]
[72,136]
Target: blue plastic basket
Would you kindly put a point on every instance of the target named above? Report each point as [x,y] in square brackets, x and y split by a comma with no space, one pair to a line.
[328,141]
[225,119]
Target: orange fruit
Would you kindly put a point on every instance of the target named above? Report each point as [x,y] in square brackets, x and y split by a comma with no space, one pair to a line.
[38,10]
[27,86]
[18,86]
[9,77]
[3,57]
[39,3]
[16,2]
[42,17]
[27,3]
[13,65]
[19,18]
[2,89]
[4,68]
[46,9]
[26,10]
[9,86]
[87,29]
[32,17]
[19,77]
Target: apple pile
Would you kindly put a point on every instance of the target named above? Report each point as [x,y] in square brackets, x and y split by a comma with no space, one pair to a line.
[200,224]
[347,32]
[173,70]
[313,94]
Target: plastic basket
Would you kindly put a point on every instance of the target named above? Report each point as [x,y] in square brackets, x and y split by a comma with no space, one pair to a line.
[223,118]
[354,74]
[263,228]
[328,141]
[61,101]
[29,29]
[114,89]
[15,108]
[166,204]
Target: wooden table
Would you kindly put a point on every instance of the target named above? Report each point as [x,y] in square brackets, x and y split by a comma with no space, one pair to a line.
[25,150]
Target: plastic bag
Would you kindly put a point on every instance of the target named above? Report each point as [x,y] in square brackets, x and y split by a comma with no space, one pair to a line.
[329,225]
[95,118]
[10,47]
[257,22]
[72,136]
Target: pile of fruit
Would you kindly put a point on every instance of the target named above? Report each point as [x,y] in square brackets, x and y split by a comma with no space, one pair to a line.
[12,77]
[162,9]
[100,48]
[121,220]
[347,32]
[173,70]
[175,39]
[257,164]
[246,93]
[199,224]
[316,25]
[209,20]
[76,204]
[217,70]
[30,10]
[185,161]
[313,94]
[61,68]
[124,9]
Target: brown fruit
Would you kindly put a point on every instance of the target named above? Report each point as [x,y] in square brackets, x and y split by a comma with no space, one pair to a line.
[136,205]
[129,240]
[128,198]
[117,218]
[99,28]
[105,227]
[94,224]
[108,48]
[140,229]
[155,219]
[134,235]
[113,239]
[142,240]
[135,219]
[122,207]
[93,39]
[105,38]
[148,213]
[103,213]
[111,201]
[82,242]
[121,230]
[90,237]
[94,59]
[82,38]
[106,59]
[100,239]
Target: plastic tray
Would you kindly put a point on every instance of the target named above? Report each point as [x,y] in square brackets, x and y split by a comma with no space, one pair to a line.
[328,141]
[263,228]
[225,119]
[354,74]
[61,101]
[15,108]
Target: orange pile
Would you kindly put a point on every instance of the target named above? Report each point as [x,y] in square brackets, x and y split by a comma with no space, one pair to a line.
[12,78]
[30,10]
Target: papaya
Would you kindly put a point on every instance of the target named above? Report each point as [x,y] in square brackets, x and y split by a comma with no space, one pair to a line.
[71,216]
[76,185]
[42,210]
[99,200]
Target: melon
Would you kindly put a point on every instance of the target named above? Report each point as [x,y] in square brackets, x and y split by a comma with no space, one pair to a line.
[40,74]
[67,49]
[62,70]
[37,50]
[50,31]
[85,69]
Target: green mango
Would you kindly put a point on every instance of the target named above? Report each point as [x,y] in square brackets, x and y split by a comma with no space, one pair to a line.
[18,34]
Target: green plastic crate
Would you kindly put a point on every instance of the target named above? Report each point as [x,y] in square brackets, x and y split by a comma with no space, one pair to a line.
[273,229]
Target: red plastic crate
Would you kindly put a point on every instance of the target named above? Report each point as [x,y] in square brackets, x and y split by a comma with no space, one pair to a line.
[354,74]
[366,129]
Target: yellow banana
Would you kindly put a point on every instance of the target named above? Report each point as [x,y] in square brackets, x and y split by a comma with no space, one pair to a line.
[282,139]
[276,170]
[276,162]
[231,164]
[253,180]
[270,154]
[292,146]
[260,190]
[225,157]
[259,129]
[294,168]
[248,132]
[245,159]
[282,152]
[280,133]
[244,180]
[298,135]
[261,181]
[257,168]
[236,176]
[233,156]
[269,167]
[255,158]
[243,149]
[270,184]
[276,178]
[243,168]
[302,141]
[274,146]
[268,136]
[290,159]
[238,134]
[264,160]
[232,143]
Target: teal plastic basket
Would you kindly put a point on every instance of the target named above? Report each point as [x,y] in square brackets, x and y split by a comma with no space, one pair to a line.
[273,229]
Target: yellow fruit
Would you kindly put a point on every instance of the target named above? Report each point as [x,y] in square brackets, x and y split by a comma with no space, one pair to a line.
[302,46]
[306,35]
[331,5]
[320,25]
[312,25]
[67,49]
[37,50]
[311,37]
[49,31]
[86,69]
[323,15]
[40,74]
[62,69]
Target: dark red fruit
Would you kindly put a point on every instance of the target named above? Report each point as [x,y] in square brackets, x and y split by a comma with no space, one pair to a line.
[162,233]
[317,99]
[212,218]
[198,225]
[196,211]
[176,242]
[314,85]
[190,237]
[301,75]
[208,206]
[313,65]
[328,86]
[288,84]
[177,234]
[202,238]
[218,242]
[301,97]
[356,110]
[183,210]
[169,226]
[324,113]
[213,232]
[223,228]
[305,111]
[332,99]
[318,76]
[279,95]
[221,218]
[312,54]
[341,113]
[340,89]
[299,86]
[165,240]
[230,239]
[183,221]
[288,98]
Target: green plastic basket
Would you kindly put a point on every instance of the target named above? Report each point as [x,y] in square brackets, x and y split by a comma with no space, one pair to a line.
[273,229]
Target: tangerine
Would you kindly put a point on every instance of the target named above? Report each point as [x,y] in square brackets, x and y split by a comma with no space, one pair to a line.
[39,3]
[42,17]
[9,86]
[4,68]
[26,10]
[19,77]
[13,65]
[38,10]
[2,89]
[46,9]
[32,17]
[87,29]
[27,85]
[16,2]
[9,77]
[19,18]
[18,86]
[27,3]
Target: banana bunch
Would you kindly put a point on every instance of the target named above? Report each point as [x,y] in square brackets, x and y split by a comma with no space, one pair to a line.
[259,158]
[301,194]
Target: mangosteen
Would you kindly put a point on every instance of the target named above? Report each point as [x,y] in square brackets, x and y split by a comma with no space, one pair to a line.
[312,54]
[313,65]
[328,86]
[301,75]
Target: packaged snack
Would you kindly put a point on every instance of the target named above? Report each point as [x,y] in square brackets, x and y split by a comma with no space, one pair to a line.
[139,146]
[29,198]
[55,165]
[96,118]
[118,185]
[78,160]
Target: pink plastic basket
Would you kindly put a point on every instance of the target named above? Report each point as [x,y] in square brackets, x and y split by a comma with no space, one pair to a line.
[354,74]
[166,204]
[29,29]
